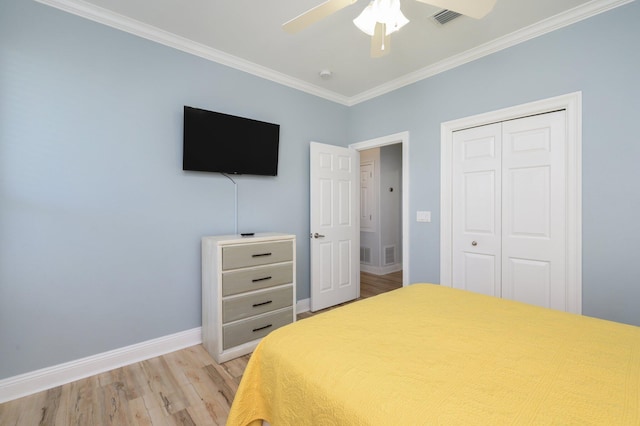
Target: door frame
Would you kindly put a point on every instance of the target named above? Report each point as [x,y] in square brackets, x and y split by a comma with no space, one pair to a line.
[402,138]
[572,104]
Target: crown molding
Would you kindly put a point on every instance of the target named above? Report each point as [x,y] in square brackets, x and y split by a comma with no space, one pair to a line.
[104,16]
[545,26]
[115,20]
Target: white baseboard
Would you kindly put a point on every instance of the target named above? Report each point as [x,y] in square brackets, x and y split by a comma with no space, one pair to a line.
[303,305]
[50,377]
[381,270]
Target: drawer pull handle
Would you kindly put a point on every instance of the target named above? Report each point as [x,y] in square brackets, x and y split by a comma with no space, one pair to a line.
[255,305]
[260,279]
[261,254]
[262,328]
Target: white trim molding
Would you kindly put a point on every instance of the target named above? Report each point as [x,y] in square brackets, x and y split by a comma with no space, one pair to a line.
[381,270]
[107,17]
[303,305]
[572,104]
[50,377]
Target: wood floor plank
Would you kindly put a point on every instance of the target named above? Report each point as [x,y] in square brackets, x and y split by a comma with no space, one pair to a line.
[216,403]
[139,412]
[223,371]
[135,381]
[63,416]
[175,401]
[226,389]
[158,417]
[178,367]
[50,406]
[235,367]
[115,406]
[199,355]
[183,417]
[159,375]
[9,413]
[164,388]
[191,395]
[80,405]
[201,416]
[186,387]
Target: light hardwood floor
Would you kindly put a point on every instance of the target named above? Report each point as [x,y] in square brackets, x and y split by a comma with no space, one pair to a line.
[185,387]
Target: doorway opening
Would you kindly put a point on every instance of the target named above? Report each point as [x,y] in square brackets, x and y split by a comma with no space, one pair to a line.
[384,213]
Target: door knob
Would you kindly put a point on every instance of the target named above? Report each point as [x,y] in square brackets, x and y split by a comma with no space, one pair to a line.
[474,243]
[316,235]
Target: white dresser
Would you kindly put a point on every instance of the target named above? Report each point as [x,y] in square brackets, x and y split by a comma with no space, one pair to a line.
[248,290]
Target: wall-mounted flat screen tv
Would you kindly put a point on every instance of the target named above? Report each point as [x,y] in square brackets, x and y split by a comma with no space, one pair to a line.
[217,142]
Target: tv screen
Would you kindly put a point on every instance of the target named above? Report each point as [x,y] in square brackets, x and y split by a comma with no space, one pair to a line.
[217,142]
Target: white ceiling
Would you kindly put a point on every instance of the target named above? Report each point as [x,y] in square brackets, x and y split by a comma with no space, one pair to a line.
[247,35]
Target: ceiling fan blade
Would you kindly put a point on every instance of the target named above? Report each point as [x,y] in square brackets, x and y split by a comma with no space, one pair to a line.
[474,8]
[312,16]
[380,41]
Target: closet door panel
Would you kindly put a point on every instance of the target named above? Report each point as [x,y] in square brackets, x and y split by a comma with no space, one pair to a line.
[476,209]
[529,281]
[533,210]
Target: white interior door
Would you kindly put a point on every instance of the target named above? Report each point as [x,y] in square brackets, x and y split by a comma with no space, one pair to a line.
[335,227]
[509,210]
[477,212]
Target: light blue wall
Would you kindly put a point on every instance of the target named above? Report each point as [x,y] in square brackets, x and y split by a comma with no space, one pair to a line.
[99,226]
[600,57]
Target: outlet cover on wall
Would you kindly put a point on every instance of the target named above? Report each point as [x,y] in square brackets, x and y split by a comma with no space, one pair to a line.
[423,216]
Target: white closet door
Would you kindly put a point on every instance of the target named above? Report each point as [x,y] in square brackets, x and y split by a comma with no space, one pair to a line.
[509,210]
[476,209]
[533,209]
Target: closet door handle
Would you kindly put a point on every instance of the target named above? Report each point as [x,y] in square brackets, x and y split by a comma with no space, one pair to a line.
[474,243]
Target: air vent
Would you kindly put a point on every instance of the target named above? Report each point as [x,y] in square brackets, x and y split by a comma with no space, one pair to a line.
[389,255]
[445,16]
[365,255]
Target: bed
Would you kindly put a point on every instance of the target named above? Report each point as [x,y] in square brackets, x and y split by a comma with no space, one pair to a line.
[428,354]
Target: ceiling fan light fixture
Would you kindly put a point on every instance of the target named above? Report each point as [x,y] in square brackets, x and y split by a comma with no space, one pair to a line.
[365,21]
[381,11]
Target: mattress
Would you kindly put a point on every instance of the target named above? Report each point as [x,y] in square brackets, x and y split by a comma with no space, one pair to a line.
[428,354]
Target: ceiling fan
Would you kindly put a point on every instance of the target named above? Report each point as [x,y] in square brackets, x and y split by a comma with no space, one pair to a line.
[381,18]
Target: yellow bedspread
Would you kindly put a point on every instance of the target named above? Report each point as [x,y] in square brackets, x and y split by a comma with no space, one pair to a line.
[432,355]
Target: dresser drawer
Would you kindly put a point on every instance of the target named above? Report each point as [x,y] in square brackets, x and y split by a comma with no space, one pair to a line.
[254,328]
[256,303]
[245,255]
[243,280]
